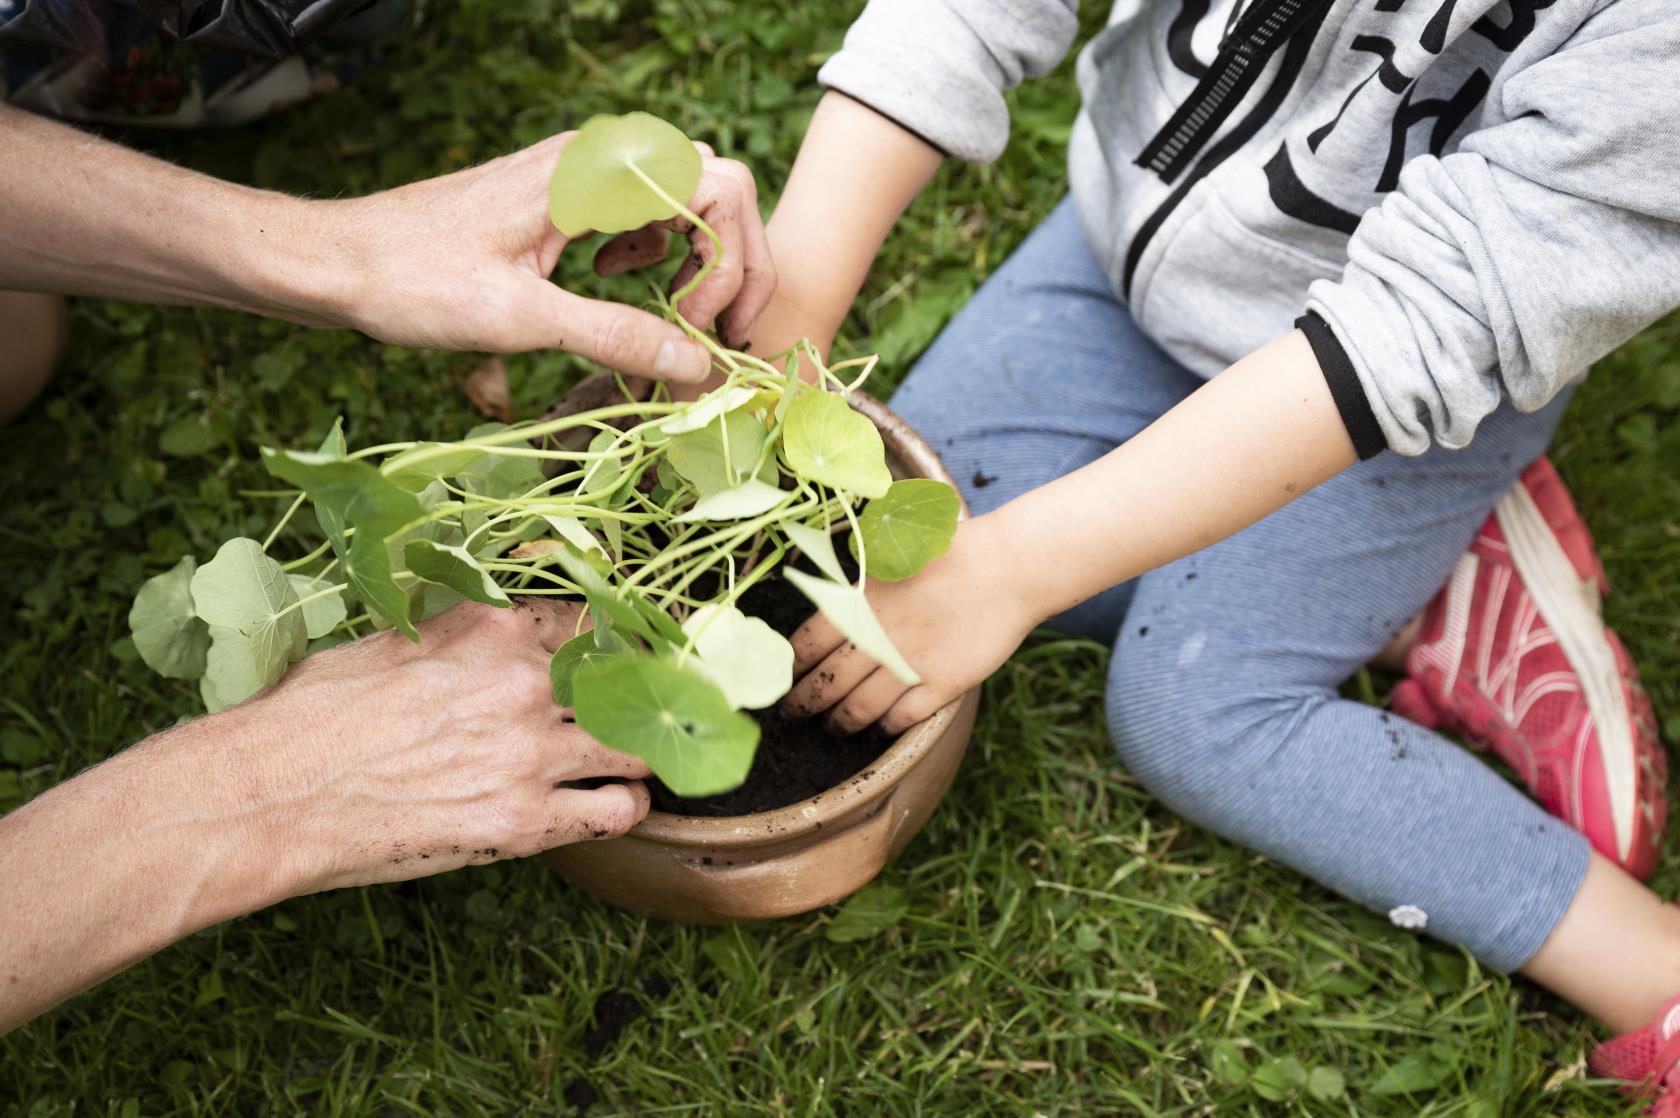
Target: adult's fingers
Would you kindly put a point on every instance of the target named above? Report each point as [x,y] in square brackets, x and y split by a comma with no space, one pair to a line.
[551,624]
[866,704]
[577,756]
[626,339]
[581,814]
[828,682]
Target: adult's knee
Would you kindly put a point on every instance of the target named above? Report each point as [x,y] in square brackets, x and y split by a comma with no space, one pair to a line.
[35,327]
[1188,724]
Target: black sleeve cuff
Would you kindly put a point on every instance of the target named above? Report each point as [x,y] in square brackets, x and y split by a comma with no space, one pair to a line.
[1345,389]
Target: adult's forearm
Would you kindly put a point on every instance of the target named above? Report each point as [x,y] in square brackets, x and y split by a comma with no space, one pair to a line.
[855,174]
[162,840]
[89,217]
[1248,442]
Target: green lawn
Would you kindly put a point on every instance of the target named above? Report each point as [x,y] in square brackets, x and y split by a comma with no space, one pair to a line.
[1053,944]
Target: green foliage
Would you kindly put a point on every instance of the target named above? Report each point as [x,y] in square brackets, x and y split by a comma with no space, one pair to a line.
[669,666]
[168,634]
[830,443]
[749,661]
[908,528]
[620,173]
[848,610]
[671,716]
[984,998]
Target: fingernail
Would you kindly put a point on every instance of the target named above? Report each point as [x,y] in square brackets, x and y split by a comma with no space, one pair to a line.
[680,361]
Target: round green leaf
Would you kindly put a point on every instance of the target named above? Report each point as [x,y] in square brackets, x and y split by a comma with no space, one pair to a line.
[1276,1080]
[721,454]
[248,593]
[908,528]
[236,668]
[455,568]
[323,615]
[169,636]
[568,659]
[747,658]
[1326,1084]
[594,187]
[670,716]
[826,441]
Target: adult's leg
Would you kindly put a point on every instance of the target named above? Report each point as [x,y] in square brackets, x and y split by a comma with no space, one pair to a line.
[1041,373]
[32,332]
[1223,702]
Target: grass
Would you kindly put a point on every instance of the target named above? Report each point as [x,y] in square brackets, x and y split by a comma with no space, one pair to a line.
[1053,943]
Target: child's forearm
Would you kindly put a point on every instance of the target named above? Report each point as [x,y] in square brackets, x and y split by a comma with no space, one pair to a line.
[1248,442]
[856,172]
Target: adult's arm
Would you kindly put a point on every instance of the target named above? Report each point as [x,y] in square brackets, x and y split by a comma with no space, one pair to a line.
[380,760]
[457,262]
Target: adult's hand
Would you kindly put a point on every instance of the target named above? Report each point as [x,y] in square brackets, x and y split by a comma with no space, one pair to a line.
[376,761]
[462,262]
[457,262]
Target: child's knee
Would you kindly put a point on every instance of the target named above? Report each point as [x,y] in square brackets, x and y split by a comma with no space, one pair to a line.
[35,327]
[1186,726]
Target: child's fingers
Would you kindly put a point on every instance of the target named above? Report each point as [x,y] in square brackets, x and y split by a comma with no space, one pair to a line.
[866,704]
[630,251]
[916,704]
[812,642]
[828,682]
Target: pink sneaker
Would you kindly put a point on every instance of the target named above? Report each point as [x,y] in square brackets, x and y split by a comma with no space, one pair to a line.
[1648,1058]
[1513,654]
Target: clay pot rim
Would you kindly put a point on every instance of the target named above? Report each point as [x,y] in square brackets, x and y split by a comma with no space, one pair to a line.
[832,804]
[807,816]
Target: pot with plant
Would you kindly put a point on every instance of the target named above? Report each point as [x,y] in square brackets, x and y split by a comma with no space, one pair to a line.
[698,534]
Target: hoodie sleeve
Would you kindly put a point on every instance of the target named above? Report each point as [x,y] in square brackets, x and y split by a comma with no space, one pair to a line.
[1505,269]
[940,67]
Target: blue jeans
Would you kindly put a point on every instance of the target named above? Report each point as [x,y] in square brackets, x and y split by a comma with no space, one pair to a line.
[1222,694]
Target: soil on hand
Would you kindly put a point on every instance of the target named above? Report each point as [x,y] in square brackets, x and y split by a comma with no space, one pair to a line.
[796,759]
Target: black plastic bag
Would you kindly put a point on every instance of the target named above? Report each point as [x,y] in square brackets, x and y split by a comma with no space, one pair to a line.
[71,25]
[275,28]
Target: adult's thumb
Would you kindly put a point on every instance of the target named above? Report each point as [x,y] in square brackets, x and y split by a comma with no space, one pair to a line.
[629,340]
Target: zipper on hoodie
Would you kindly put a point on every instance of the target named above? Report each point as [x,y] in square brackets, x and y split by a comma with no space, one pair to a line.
[1258,34]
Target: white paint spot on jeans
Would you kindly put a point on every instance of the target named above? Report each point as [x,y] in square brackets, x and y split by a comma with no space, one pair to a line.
[1408,916]
[1191,650]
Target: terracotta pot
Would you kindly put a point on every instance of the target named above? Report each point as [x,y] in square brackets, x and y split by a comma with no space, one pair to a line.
[806,855]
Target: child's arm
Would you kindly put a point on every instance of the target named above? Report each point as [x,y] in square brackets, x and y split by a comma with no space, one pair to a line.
[1249,441]
[856,172]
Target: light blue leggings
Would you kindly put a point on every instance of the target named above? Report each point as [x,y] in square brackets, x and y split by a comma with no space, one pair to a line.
[1222,693]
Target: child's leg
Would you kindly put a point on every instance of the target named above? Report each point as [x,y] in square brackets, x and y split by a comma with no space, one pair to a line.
[1223,702]
[33,327]
[1042,372]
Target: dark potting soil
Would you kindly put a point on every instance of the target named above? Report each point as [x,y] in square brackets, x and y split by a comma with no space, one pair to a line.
[615,1010]
[796,759]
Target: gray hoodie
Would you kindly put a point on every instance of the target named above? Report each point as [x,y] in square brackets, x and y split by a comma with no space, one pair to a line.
[1460,201]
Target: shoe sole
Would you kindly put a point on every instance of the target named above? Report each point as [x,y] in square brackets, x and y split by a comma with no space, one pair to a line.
[1569,607]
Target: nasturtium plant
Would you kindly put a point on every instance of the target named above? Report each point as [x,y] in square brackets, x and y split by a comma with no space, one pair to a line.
[660,525]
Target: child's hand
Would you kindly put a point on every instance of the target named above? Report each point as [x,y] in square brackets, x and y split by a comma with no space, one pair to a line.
[956,622]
